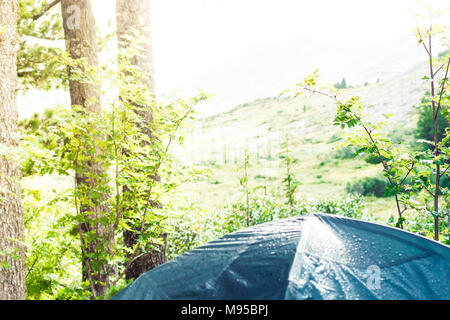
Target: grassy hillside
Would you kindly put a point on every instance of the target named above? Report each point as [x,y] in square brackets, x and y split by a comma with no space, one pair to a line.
[218,142]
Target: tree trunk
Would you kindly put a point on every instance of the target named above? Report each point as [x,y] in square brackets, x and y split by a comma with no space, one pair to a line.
[96,238]
[133,19]
[12,253]
[435,139]
[135,15]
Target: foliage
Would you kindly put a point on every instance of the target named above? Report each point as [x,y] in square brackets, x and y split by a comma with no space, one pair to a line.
[244,183]
[341,85]
[344,153]
[40,60]
[423,224]
[423,169]
[192,226]
[373,159]
[368,186]
[290,184]
[267,209]
[140,172]
[425,129]
[189,226]
[52,250]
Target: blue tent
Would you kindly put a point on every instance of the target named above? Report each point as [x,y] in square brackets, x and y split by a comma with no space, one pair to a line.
[307,257]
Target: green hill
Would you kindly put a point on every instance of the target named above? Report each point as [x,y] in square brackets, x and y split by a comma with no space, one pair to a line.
[218,142]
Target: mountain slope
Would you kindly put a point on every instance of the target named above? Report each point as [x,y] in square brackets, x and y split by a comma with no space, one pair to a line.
[219,141]
[263,71]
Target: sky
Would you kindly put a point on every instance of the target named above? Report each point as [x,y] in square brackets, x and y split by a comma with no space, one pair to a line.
[195,42]
[210,31]
[191,37]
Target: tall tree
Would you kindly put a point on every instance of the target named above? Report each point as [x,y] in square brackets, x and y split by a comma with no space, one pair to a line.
[134,23]
[96,234]
[12,254]
[134,20]
[39,60]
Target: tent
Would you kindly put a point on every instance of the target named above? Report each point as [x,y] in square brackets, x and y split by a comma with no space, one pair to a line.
[317,256]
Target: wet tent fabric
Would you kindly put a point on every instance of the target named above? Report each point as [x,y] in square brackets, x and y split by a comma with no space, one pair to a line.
[307,257]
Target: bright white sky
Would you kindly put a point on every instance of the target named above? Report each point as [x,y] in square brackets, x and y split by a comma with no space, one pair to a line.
[195,35]
[196,41]
[192,36]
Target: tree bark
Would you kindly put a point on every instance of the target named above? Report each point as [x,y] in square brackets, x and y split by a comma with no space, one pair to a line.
[133,19]
[12,252]
[435,139]
[135,15]
[96,238]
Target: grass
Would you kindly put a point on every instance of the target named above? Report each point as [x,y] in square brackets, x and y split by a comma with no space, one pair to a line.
[319,175]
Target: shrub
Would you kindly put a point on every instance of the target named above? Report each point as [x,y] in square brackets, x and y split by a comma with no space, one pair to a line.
[422,224]
[260,210]
[52,255]
[402,135]
[367,186]
[341,85]
[190,226]
[344,153]
[372,159]
[425,129]
[353,206]
[334,138]
[268,209]
[444,181]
